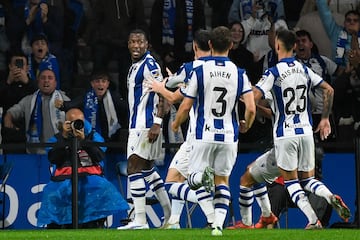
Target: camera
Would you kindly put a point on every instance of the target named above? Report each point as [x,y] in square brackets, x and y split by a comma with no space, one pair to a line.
[77,124]
[19,63]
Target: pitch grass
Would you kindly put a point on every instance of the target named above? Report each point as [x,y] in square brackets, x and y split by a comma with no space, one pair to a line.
[182,234]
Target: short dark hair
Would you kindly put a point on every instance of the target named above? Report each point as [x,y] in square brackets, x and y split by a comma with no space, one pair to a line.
[39,36]
[201,38]
[16,53]
[221,38]
[354,12]
[288,38]
[139,31]
[100,74]
[304,33]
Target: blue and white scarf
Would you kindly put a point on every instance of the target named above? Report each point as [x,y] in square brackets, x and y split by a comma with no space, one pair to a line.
[169,15]
[36,121]
[91,112]
[343,44]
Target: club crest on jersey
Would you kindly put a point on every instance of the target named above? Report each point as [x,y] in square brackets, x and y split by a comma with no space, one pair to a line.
[155,73]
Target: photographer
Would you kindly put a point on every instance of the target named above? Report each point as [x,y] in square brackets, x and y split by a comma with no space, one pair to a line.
[98,198]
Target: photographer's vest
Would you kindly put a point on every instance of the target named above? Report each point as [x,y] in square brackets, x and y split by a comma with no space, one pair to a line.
[86,165]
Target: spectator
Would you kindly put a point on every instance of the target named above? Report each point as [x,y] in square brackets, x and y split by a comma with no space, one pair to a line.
[311,22]
[98,198]
[38,110]
[340,36]
[306,53]
[12,90]
[256,29]
[41,58]
[242,57]
[145,136]
[103,108]
[172,27]
[114,20]
[345,45]
[261,132]
[243,9]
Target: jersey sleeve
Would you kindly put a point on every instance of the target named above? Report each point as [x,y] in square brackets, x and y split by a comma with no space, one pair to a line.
[266,82]
[315,78]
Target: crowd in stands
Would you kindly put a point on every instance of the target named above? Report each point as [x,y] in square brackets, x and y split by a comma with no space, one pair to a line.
[79,38]
[60,54]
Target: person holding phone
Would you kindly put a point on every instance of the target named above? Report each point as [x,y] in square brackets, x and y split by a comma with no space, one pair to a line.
[12,90]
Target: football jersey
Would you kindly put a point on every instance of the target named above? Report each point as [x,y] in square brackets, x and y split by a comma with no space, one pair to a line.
[324,67]
[216,87]
[290,83]
[182,76]
[142,102]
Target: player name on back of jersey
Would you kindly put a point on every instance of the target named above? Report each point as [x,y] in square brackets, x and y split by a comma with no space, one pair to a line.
[222,74]
[289,72]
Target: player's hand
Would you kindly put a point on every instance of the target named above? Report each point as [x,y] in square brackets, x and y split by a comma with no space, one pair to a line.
[154,132]
[324,128]
[153,85]
[175,127]
[243,128]
[169,72]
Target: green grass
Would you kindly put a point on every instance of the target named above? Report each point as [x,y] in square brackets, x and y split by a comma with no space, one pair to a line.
[182,234]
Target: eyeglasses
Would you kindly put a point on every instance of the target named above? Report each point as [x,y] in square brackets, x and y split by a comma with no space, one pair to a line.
[355,20]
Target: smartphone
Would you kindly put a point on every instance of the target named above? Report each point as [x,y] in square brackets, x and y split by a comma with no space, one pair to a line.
[19,63]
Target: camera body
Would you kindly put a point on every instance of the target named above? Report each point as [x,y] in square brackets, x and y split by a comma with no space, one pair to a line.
[78,124]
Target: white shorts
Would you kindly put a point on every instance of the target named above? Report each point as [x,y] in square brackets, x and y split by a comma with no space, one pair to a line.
[181,159]
[297,153]
[221,157]
[138,143]
[264,168]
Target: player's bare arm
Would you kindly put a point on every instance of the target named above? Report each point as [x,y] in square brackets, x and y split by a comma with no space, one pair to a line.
[324,126]
[250,111]
[182,113]
[155,128]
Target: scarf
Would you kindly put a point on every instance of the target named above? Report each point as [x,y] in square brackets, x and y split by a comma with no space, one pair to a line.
[342,45]
[169,15]
[91,112]
[36,121]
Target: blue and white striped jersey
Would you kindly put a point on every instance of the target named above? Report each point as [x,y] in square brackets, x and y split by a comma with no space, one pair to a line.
[142,102]
[290,83]
[217,86]
[183,74]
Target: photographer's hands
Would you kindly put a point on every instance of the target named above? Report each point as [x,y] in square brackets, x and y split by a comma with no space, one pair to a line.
[69,131]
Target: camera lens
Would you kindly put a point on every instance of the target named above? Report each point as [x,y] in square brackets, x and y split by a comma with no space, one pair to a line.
[77,124]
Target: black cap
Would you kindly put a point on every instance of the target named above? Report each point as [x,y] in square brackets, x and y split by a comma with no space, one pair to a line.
[39,36]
